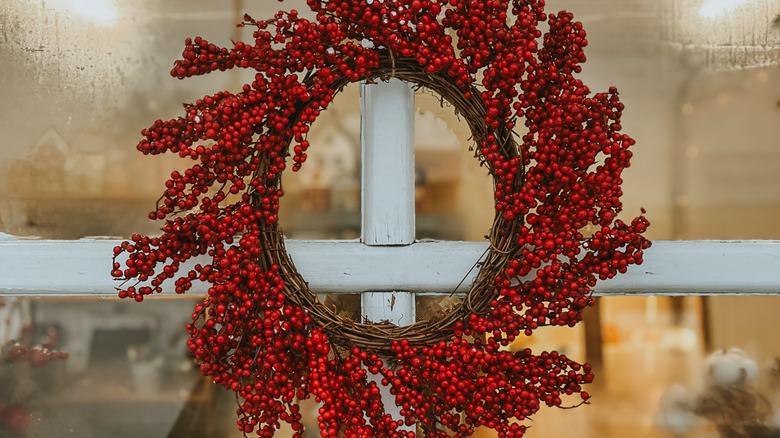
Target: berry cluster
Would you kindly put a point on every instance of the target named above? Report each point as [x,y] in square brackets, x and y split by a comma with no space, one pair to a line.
[251,337]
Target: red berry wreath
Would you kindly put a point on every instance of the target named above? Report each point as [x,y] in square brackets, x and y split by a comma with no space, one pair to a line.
[261,333]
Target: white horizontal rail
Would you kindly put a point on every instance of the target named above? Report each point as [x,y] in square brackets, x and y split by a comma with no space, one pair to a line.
[81,268]
[702,267]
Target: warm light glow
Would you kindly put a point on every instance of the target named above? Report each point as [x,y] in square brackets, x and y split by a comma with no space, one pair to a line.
[715,8]
[100,12]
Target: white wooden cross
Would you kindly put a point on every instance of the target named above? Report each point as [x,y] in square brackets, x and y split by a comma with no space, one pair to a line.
[387,265]
[387,190]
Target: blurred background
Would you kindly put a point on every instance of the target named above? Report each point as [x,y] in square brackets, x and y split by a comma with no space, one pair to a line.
[80,79]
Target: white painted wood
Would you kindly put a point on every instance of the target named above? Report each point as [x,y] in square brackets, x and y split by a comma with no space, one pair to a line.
[82,267]
[387,135]
[387,195]
[395,307]
[56,267]
[702,268]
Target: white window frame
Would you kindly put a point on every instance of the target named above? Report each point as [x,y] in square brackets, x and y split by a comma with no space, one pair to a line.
[387,257]
[387,265]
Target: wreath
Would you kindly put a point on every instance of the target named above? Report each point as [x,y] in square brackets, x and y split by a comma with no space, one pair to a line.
[261,333]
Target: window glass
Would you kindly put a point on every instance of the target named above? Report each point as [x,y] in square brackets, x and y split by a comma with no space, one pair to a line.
[701,86]
[699,81]
[104,367]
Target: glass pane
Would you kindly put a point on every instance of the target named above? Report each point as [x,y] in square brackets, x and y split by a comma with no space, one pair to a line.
[669,366]
[104,367]
[79,83]
[453,192]
[660,362]
[700,83]
[322,199]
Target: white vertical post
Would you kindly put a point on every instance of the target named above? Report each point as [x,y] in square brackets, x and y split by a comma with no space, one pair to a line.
[396,307]
[387,137]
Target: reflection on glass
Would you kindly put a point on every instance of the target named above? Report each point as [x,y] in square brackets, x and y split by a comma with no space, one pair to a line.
[107,367]
[103,367]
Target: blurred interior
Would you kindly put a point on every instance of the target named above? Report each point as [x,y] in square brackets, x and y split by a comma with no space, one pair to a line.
[80,79]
